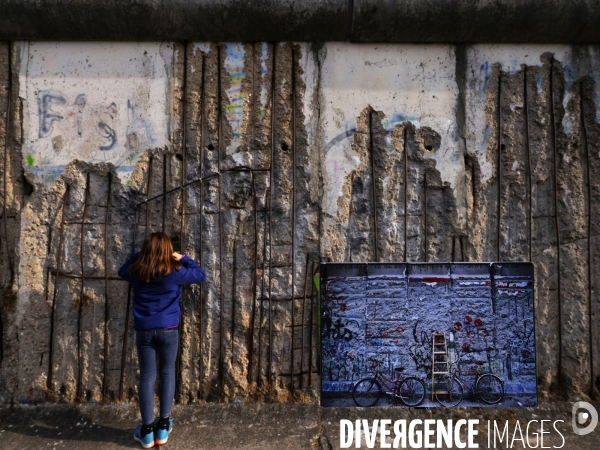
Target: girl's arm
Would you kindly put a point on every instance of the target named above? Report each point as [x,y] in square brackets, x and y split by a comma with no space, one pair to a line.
[190,272]
[123,270]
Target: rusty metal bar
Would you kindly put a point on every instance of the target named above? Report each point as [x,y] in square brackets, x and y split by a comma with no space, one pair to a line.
[528,154]
[53,316]
[271,187]
[453,247]
[586,152]
[312,306]
[127,314]
[201,314]
[200,214]
[234,289]
[181,221]
[303,319]
[373,190]
[164,198]
[5,181]
[262,292]
[405,194]
[150,160]
[170,191]
[556,221]
[81,293]
[250,335]
[106,309]
[54,273]
[426,234]
[499,164]
[293,208]
[221,284]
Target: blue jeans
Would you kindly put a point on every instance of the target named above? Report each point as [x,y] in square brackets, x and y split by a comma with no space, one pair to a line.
[149,344]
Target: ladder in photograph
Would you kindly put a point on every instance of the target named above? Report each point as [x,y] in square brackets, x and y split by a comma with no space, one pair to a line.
[439,359]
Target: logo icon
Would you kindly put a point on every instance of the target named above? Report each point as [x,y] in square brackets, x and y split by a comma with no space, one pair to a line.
[582,412]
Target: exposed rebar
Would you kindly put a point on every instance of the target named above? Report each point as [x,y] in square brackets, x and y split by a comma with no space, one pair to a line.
[5,180]
[106,308]
[53,316]
[499,164]
[81,292]
[373,188]
[293,210]
[271,187]
[303,321]
[556,220]
[529,164]
[405,143]
[586,152]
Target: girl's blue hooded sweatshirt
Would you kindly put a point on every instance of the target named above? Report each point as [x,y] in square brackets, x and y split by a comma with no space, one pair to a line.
[157,304]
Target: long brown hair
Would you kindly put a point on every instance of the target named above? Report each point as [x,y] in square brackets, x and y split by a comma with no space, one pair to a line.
[156,258]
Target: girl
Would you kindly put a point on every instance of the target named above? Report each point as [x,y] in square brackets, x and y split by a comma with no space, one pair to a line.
[156,274]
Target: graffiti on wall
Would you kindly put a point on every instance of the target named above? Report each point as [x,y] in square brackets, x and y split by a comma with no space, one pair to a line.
[390,312]
[94,102]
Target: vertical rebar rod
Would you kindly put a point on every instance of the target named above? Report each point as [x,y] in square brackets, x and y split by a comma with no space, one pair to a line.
[150,161]
[529,164]
[310,336]
[499,164]
[81,292]
[405,143]
[53,316]
[164,187]
[201,314]
[127,312]
[271,187]
[262,290]
[425,199]
[250,338]
[556,220]
[293,265]
[586,152]
[303,322]
[5,179]
[181,222]
[234,290]
[6,142]
[453,247]
[220,212]
[201,217]
[373,186]
[106,308]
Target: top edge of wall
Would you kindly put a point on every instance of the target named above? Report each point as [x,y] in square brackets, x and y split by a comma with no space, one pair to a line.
[415,21]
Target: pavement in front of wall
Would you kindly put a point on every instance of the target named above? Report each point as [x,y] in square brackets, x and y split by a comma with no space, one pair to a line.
[250,426]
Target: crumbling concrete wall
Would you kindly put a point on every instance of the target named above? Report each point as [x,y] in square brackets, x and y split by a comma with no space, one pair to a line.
[260,160]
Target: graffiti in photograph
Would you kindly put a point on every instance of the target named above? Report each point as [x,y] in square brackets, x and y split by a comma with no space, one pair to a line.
[427,334]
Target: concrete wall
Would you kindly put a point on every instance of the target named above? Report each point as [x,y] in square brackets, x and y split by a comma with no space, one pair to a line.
[388,312]
[477,153]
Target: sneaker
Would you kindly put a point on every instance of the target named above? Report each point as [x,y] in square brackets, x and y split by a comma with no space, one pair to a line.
[162,432]
[147,441]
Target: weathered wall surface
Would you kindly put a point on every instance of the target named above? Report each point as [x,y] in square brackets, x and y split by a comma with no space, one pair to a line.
[388,312]
[260,160]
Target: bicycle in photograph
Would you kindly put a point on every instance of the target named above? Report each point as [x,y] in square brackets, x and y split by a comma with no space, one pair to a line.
[487,386]
[367,392]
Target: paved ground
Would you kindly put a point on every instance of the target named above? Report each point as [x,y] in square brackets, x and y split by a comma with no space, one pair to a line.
[254,426]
